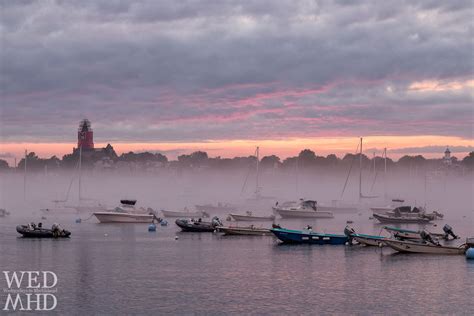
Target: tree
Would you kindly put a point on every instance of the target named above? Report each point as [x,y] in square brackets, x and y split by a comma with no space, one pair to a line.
[270,161]
[4,165]
[306,158]
[468,161]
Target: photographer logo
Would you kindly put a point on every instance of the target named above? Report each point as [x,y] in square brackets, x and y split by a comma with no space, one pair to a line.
[30,290]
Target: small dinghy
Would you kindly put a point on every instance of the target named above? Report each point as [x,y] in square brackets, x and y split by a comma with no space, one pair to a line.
[32,231]
[198,226]
[308,237]
[247,231]
[426,248]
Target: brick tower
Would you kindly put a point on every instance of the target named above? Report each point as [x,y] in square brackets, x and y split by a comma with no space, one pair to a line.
[85,135]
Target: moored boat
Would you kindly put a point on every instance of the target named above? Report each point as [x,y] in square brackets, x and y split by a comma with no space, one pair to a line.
[198,226]
[425,248]
[387,219]
[126,213]
[402,233]
[247,231]
[305,209]
[186,213]
[31,231]
[249,217]
[4,212]
[308,237]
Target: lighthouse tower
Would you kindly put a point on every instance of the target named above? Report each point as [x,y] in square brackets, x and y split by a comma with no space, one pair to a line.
[85,135]
[447,157]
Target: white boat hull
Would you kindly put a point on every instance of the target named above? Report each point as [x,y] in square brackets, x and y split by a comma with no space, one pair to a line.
[303,214]
[412,247]
[115,217]
[245,231]
[182,214]
[249,218]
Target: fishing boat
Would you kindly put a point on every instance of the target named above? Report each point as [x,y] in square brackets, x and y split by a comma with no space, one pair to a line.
[305,209]
[198,226]
[218,208]
[387,219]
[402,233]
[425,248]
[308,237]
[126,213]
[384,209]
[408,211]
[31,231]
[367,240]
[249,217]
[247,231]
[186,213]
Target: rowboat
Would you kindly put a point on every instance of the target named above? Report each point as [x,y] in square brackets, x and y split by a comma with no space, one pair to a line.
[247,231]
[251,218]
[308,237]
[401,219]
[425,248]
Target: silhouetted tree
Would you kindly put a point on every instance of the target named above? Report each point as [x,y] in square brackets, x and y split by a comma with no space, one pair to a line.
[270,161]
[468,161]
[4,165]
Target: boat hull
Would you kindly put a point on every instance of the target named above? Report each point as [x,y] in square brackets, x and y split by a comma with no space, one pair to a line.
[368,240]
[245,231]
[196,227]
[249,218]
[115,217]
[402,220]
[41,233]
[413,247]
[303,214]
[307,237]
[183,214]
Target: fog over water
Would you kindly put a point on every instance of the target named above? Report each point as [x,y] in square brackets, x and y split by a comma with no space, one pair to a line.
[124,269]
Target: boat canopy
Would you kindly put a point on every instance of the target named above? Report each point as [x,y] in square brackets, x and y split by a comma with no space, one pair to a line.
[128,202]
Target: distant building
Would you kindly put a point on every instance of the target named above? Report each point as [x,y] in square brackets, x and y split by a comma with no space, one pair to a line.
[85,135]
[85,141]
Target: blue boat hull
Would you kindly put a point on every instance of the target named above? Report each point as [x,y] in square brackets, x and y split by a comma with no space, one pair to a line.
[307,237]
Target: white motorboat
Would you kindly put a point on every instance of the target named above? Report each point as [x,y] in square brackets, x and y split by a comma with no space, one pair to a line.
[384,209]
[184,214]
[305,209]
[249,217]
[126,213]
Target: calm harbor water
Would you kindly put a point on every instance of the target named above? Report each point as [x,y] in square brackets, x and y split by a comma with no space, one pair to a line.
[124,269]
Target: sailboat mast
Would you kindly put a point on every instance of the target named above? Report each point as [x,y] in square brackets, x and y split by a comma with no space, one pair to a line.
[80,173]
[24,176]
[385,173]
[360,170]
[258,163]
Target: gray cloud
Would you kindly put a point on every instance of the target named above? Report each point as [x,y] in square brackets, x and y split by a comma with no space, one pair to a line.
[197,70]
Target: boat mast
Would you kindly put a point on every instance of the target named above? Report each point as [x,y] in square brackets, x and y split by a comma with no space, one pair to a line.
[385,173]
[24,176]
[360,170]
[258,163]
[80,173]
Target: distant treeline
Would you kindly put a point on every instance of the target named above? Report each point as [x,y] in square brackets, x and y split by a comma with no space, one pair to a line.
[108,159]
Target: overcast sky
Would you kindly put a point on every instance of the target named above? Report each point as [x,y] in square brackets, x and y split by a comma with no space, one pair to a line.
[193,71]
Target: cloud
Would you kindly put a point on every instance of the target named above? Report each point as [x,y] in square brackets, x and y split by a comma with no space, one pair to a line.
[199,70]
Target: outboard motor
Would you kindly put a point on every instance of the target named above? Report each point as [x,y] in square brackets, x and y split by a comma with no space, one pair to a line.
[216,221]
[349,231]
[425,236]
[448,230]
